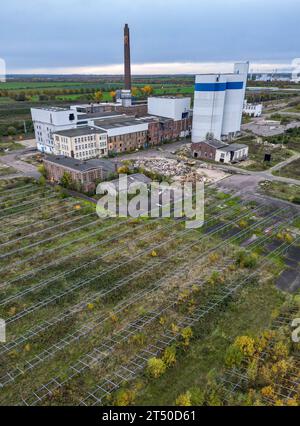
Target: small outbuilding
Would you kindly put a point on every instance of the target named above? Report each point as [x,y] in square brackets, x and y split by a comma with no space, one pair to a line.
[215,150]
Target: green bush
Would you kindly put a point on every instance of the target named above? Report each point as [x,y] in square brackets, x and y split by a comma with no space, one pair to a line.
[233,357]
[247,260]
[156,367]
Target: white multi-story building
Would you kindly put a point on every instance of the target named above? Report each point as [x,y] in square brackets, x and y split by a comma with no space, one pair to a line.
[50,120]
[218,104]
[170,107]
[82,143]
[254,110]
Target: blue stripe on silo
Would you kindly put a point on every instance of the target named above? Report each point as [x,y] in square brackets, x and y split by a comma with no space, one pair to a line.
[238,85]
[218,87]
[210,87]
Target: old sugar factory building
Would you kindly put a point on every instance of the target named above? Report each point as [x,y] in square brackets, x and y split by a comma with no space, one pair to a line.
[90,131]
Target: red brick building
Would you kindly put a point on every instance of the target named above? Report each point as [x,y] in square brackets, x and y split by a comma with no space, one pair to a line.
[84,173]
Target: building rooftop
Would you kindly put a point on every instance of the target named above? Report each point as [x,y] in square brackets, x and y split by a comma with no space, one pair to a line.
[98,115]
[117,122]
[170,97]
[53,109]
[152,117]
[79,165]
[79,131]
[234,147]
[214,143]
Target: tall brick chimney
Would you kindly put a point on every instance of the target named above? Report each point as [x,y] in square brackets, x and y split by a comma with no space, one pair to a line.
[127,64]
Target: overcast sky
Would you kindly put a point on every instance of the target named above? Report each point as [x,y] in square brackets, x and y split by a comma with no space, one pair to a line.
[179,35]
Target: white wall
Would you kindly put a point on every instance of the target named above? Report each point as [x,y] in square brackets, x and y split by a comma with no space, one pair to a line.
[219,153]
[238,155]
[218,109]
[169,107]
[208,107]
[48,121]
[233,107]
[254,110]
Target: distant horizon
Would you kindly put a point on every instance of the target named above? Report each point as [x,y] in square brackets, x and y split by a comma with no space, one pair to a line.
[157,69]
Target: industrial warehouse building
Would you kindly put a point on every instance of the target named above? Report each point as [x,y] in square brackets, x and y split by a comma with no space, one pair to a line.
[85,173]
[124,133]
[218,104]
[84,133]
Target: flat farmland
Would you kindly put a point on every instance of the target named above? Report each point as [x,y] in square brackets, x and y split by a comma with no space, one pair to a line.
[90,303]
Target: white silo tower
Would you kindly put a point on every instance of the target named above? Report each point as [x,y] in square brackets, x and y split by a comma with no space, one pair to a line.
[234,100]
[208,106]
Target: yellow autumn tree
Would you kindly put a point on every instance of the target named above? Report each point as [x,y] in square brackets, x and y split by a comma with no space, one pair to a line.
[186,334]
[113,94]
[135,91]
[98,96]
[124,398]
[148,90]
[184,400]
[169,356]
[156,367]
[246,345]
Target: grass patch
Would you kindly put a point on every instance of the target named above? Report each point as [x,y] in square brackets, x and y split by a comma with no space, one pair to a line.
[287,192]
[291,170]
[203,362]
[257,153]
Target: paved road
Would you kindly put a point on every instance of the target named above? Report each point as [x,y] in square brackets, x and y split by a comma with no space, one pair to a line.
[165,151]
[25,169]
[279,166]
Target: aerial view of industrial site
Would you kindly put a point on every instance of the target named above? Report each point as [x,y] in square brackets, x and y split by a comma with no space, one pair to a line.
[149,207]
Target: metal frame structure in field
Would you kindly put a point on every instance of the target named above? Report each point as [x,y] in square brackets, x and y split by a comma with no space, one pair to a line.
[109,344]
[4,220]
[86,329]
[69,243]
[37,243]
[17,195]
[49,228]
[266,216]
[85,249]
[32,201]
[15,189]
[235,379]
[38,223]
[67,341]
[137,364]
[83,283]
[97,259]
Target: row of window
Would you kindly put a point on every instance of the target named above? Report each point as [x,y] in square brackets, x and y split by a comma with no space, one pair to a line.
[86,146]
[86,154]
[85,139]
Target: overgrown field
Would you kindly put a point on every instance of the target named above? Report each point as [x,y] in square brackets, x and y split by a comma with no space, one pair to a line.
[257,153]
[282,190]
[98,311]
[291,170]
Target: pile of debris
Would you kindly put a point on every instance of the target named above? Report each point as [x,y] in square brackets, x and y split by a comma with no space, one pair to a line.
[180,170]
[194,176]
[165,167]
